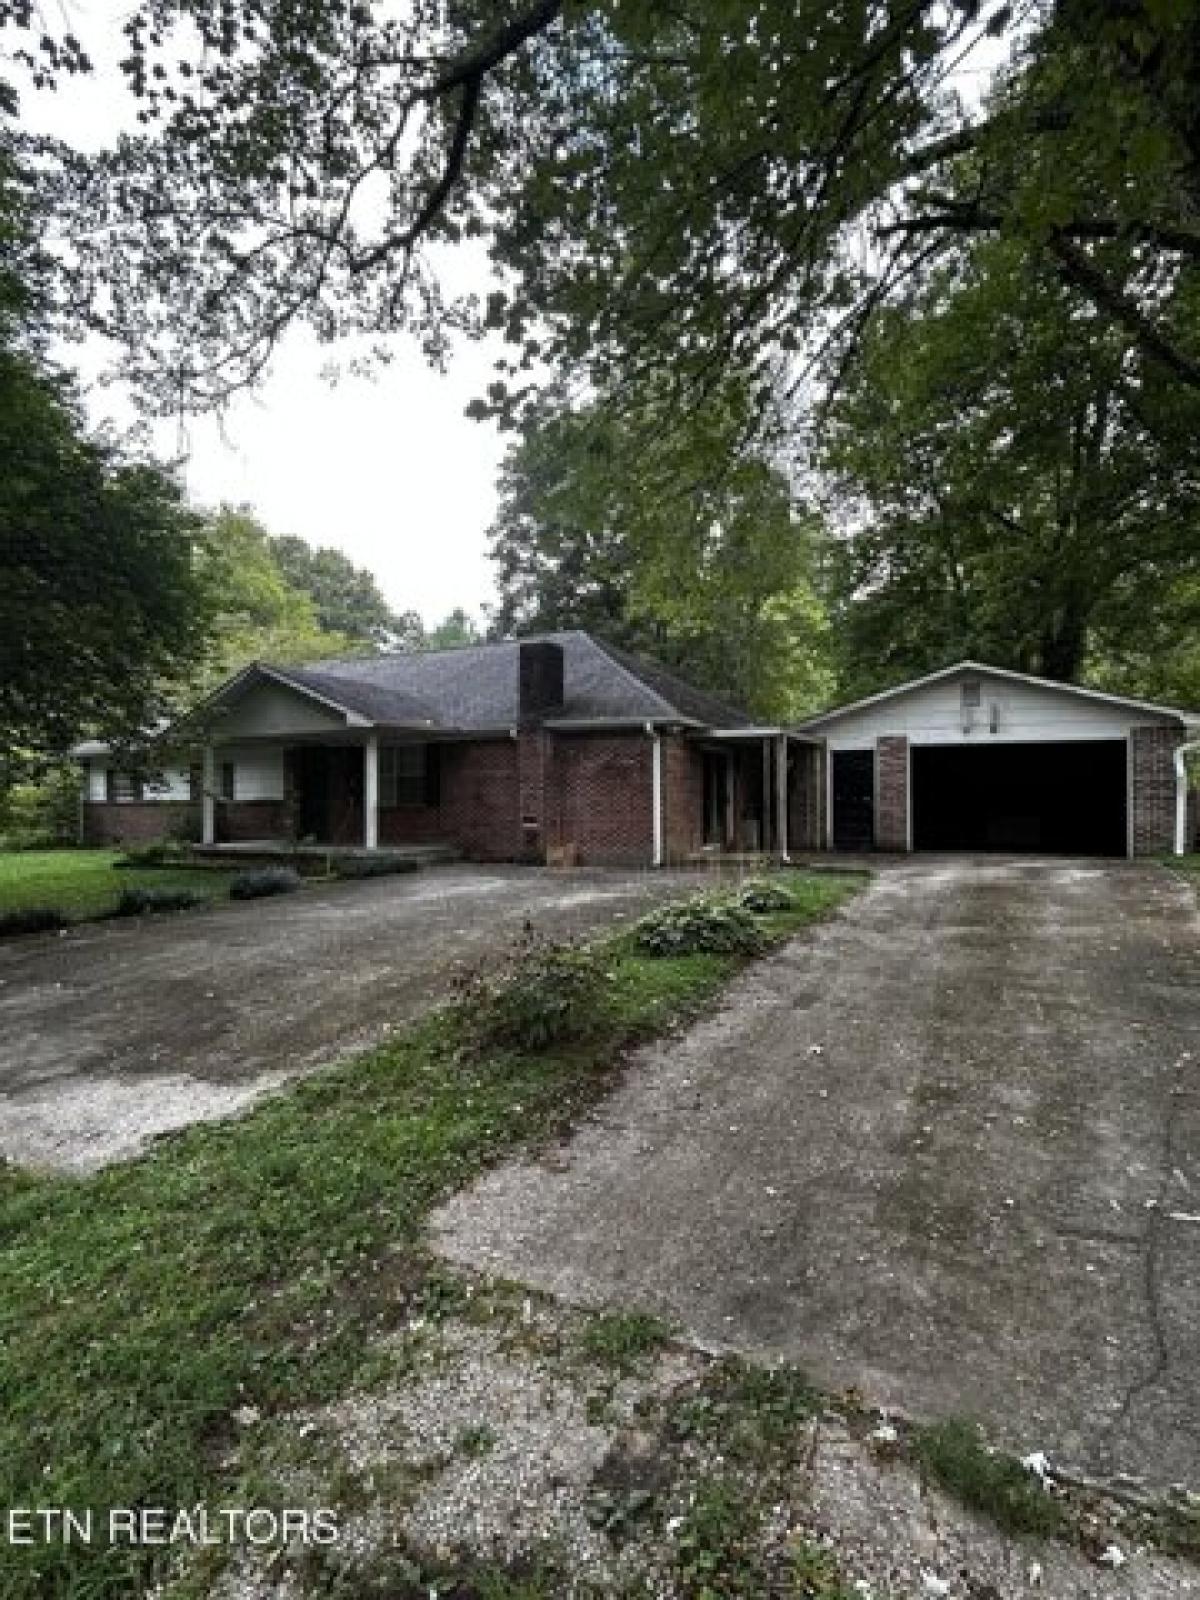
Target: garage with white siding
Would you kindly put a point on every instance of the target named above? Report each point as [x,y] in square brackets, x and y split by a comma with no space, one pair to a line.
[976,758]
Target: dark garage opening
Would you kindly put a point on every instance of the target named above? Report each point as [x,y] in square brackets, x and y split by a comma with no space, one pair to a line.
[1056,799]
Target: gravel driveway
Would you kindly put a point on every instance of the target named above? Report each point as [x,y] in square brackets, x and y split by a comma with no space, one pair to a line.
[114,1032]
[946,1150]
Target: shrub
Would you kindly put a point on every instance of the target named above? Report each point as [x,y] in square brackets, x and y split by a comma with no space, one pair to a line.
[760,895]
[545,994]
[719,927]
[33,919]
[264,881]
[372,866]
[136,902]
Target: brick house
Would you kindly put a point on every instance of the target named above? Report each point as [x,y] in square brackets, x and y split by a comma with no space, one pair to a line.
[499,751]
[503,751]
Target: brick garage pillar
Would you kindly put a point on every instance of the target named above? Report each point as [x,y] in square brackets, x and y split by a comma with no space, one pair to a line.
[891,797]
[1152,755]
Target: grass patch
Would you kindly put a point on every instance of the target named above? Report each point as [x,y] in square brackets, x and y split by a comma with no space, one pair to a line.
[752,1411]
[954,1455]
[256,1263]
[81,884]
[621,1339]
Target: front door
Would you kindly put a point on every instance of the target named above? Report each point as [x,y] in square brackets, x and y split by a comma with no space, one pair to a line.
[853,799]
[329,793]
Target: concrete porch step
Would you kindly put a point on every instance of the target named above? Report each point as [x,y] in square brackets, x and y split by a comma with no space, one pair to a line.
[312,858]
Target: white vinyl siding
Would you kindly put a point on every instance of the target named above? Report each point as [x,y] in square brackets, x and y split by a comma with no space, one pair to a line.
[1021,714]
[257,773]
[102,781]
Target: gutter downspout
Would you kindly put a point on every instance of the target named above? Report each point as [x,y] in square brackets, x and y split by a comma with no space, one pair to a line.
[656,793]
[1181,750]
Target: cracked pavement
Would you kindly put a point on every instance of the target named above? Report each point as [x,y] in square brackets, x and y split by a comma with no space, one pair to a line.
[946,1150]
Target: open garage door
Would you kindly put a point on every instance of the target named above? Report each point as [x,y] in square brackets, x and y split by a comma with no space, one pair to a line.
[1057,799]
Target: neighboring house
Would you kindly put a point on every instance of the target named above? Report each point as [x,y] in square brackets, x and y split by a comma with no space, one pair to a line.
[503,751]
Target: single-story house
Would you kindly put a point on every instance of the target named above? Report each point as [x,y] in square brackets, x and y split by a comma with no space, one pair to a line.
[503,751]
[497,750]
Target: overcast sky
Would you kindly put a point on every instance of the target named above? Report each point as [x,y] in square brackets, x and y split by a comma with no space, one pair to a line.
[387,469]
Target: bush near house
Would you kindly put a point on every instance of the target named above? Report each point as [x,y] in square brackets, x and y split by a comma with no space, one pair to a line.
[702,925]
[264,881]
[136,902]
[543,994]
[762,895]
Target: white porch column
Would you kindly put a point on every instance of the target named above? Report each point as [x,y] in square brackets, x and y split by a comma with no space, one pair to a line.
[657,794]
[781,796]
[208,797]
[371,792]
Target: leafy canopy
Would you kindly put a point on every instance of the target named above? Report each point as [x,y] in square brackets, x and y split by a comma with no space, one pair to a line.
[1009,493]
[668,537]
[676,189]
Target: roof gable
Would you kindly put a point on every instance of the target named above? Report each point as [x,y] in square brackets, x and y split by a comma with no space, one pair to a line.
[967,669]
[474,688]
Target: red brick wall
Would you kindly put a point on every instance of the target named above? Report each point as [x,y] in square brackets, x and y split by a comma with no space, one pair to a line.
[891,793]
[599,795]
[139,822]
[478,809]
[683,798]
[1152,749]
[240,820]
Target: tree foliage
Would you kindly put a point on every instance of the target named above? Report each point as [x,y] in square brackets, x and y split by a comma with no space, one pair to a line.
[1011,490]
[455,629]
[258,614]
[670,188]
[101,600]
[669,538]
[346,598]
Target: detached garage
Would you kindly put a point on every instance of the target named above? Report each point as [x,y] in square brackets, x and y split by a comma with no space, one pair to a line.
[974,758]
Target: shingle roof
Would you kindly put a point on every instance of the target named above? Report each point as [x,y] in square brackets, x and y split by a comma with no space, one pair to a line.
[475,687]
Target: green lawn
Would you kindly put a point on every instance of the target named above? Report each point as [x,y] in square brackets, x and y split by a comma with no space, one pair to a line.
[259,1262]
[85,883]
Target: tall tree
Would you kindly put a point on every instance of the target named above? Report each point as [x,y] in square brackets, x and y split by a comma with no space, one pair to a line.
[673,187]
[669,538]
[1015,488]
[347,598]
[455,629]
[258,615]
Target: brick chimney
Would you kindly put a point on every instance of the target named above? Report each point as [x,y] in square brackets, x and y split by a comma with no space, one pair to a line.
[540,695]
[540,685]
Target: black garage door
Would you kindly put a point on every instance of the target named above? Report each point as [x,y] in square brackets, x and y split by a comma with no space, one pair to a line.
[1060,799]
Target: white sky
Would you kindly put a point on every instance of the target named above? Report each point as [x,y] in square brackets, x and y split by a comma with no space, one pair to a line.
[387,469]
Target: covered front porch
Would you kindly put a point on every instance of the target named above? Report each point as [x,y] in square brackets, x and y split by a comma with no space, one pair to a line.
[326,793]
[759,793]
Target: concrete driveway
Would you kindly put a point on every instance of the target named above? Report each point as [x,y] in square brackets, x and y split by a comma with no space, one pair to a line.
[946,1150]
[114,1032]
